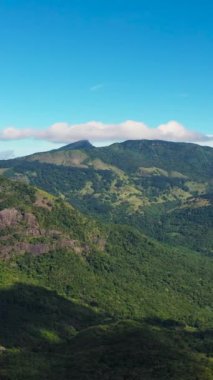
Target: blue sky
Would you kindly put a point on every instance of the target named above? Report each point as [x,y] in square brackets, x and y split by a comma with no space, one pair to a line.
[70,62]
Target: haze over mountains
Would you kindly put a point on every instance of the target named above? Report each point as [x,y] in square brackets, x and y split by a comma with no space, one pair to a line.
[106,262]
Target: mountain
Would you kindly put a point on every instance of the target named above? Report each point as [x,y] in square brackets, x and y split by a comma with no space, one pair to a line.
[39,230]
[83,299]
[36,222]
[164,189]
[82,144]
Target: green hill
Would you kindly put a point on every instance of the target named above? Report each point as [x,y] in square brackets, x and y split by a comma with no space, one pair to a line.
[80,299]
[162,188]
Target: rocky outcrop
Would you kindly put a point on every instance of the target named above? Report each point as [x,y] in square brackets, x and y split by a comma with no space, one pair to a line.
[9,217]
[35,249]
[43,202]
[6,252]
[20,233]
[33,228]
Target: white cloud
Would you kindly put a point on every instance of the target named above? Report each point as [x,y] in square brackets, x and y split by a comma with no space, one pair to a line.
[12,133]
[97,132]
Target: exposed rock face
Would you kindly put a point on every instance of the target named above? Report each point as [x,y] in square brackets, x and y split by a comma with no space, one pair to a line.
[30,220]
[26,227]
[23,247]
[9,217]
[33,228]
[42,202]
[34,249]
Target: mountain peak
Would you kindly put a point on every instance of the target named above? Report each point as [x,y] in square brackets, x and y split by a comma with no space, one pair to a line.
[81,144]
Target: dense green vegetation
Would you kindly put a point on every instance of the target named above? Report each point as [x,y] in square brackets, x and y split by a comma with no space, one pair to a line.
[149,184]
[51,337]
[121,292]
[126,273]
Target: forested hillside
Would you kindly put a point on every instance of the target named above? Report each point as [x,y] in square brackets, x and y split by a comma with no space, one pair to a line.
[106,263]
[162,188]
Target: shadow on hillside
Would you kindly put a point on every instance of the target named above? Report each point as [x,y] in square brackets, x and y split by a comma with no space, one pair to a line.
[27,311]
[48,337]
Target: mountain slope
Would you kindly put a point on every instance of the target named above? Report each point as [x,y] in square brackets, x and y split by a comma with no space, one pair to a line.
[82,144]
[153,185]
[34,221]
[110,303]
[116,265]
[52,337]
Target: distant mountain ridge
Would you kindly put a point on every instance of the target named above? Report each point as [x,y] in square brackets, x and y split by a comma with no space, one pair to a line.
[81,144]
[165,154]
[161,187]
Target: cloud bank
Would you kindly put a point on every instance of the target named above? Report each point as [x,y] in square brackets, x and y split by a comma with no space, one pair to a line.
[96,131]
